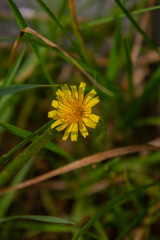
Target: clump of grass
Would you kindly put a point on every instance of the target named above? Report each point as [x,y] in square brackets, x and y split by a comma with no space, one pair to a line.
[107,185]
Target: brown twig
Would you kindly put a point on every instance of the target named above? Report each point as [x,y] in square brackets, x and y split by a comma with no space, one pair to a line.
[95,158]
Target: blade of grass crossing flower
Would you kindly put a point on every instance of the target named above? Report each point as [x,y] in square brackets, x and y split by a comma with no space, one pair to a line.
[129,66]
[39,218]
[109,206]
[22,23]
[8,198]
[26,155]
[25,134]
[135,24]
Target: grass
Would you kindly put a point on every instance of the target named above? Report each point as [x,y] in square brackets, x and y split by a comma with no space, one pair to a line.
[50,189]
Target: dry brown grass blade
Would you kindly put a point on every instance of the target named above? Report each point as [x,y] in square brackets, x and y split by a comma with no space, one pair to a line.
[53,45]
[72,4]
[95,158]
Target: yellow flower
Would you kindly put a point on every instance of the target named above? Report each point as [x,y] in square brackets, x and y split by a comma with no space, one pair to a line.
[74,110]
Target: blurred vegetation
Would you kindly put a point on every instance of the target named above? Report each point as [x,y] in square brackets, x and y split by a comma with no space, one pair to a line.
[115,199]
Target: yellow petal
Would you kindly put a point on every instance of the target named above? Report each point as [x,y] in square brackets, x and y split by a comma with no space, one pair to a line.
[59,93]
[92,102]
[67,92]
[62,127]
[83,129]
[74,91]
[87,111]
[94,118]
[81,91]
[89,123]
[54,103]
[51,114]
[89,96]
[74,132]
[67,132]
[56,123]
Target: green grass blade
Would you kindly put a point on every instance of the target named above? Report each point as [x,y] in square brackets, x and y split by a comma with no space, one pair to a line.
[13,70]
[39,218]
[129,66]
[5,157]
[147,121]
[22,23]
[42,63]
[150,88]
[55,20]
[110,19]
[18,16]
[111,205]
[19,88]
[8,198]
[25,134]
[135,24]
[45,227]
[53,17]
[112,66]
[26,155]
[129,227]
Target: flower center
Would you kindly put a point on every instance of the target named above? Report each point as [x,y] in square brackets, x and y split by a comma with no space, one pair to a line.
[77,112]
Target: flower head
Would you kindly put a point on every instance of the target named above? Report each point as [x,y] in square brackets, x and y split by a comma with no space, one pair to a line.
[73,110]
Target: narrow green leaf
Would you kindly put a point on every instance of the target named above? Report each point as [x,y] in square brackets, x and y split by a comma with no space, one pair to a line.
[22,23]
[97,22]
[53,17]
[25,134]
[7,199]
[150,88]
[113,60]
[19,88]
[135,24]
[45,227]
[129,66]
[26,155]
[13,70]
[147,121]
[109,206]
[18,16]
[39,218]
[5,157]
[130,226]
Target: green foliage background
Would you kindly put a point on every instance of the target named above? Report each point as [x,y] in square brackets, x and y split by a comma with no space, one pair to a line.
[117,199]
